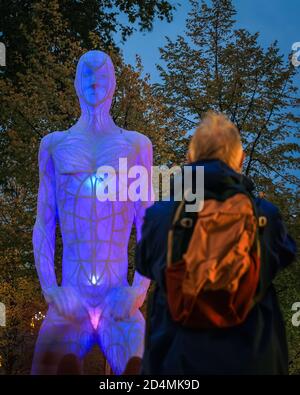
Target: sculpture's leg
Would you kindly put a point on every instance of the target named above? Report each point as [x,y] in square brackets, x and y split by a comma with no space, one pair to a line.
[61,345]
[121,340]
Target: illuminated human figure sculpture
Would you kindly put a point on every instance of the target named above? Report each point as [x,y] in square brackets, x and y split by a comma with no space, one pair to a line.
[94,303]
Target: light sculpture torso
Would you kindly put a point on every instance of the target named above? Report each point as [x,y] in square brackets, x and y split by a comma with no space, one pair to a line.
[94,303]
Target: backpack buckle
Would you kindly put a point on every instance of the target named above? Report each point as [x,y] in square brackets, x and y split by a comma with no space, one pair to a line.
[186,222]
[262,221]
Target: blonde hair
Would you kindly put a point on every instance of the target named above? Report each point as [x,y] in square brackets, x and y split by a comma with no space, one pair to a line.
[217,138]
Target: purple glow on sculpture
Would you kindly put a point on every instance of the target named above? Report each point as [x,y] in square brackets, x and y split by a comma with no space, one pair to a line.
[94,302]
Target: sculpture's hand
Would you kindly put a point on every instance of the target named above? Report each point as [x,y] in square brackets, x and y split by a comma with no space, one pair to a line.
[67,302]
[122,302]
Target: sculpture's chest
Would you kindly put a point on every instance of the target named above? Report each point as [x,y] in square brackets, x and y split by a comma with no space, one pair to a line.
[80,155]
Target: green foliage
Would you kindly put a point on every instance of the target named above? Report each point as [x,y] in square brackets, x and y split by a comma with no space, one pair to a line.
[217,67]
[288,289]
[101,17]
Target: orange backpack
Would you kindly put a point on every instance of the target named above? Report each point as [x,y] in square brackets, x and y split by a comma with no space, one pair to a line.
[213,262]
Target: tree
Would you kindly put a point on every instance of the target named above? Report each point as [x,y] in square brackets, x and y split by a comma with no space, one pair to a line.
[218,67]
[100,17]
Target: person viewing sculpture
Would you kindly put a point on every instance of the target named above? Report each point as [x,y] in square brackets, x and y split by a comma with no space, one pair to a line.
[214,309]
[94,303]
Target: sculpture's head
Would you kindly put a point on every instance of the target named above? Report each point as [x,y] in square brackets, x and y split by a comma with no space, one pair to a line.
[95,80]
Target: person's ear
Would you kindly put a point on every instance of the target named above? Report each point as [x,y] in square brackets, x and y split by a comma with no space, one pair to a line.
[189,157]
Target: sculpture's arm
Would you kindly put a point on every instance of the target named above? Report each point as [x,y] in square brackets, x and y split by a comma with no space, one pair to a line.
[140,282]
[44,228]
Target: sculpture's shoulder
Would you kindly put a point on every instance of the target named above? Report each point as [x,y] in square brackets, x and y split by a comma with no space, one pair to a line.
[136,138]
[51,140]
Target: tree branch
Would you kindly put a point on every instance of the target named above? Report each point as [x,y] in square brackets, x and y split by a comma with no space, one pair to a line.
[275,171]
[255,142]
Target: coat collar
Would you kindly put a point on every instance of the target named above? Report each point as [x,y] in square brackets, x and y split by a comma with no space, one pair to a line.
[217,173]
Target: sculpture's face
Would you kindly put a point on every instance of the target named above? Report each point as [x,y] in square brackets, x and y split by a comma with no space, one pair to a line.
[95,78]
[94,84]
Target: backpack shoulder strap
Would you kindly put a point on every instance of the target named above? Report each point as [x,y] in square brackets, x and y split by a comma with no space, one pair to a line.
[180,232]
[261,222]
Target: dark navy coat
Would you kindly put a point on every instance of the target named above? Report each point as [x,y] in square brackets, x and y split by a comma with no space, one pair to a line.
[258,346]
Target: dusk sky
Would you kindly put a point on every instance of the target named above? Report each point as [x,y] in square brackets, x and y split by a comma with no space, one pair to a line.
[273,19]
